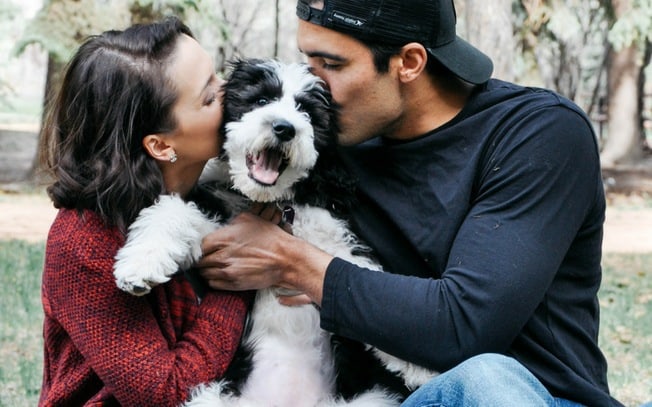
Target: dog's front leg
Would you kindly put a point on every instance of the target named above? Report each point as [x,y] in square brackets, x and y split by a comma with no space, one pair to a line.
[165,238]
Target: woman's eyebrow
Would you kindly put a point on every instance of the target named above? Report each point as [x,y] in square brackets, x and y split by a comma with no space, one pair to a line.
[206,85]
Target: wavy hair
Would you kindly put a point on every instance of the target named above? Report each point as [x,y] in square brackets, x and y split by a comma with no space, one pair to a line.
[115,91]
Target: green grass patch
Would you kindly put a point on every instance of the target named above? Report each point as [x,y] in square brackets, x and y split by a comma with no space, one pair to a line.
[626,325]
[21,320]
[625,334]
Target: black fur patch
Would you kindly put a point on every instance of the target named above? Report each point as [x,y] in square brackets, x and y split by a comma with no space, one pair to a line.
[329,185]
[253,83]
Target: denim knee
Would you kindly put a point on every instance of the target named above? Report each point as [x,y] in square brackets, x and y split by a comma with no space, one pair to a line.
[486,379]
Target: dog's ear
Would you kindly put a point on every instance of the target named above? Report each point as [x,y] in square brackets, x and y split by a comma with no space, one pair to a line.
[158,148]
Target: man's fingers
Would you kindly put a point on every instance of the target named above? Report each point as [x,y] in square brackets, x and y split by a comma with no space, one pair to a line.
[257,207]
[272,213]
[285,226]
[294,300]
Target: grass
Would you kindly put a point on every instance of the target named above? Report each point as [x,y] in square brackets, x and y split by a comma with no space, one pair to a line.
[626,325]
[625,336]
[21,318]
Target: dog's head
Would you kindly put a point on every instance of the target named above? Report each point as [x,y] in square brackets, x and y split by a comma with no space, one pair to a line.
[277,119]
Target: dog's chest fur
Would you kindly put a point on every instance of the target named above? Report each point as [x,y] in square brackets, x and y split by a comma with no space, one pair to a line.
[279,149]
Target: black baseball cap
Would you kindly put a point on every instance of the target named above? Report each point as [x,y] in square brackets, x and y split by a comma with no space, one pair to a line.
[398,22]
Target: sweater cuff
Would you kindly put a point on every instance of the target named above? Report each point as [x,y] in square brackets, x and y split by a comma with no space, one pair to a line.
[333,278]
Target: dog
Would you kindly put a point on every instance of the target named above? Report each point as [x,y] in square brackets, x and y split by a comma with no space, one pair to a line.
[279,148]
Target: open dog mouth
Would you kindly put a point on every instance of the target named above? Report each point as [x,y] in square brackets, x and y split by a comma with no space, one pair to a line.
[266,166]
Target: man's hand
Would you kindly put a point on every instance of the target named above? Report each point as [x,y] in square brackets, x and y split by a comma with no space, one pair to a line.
[243,255]
[252,253]
[294,300]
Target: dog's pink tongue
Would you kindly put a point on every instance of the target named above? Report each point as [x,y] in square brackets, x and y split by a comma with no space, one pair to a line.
[265,166]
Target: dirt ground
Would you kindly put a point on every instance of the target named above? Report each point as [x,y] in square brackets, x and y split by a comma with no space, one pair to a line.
[628,228]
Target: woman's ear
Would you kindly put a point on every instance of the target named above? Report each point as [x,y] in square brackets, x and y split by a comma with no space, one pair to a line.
[157,147]
[413,58]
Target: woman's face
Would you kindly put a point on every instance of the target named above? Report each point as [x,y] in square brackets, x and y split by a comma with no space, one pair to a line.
[198,109]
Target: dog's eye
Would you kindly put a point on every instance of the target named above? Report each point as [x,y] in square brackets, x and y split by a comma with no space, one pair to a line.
[262,101]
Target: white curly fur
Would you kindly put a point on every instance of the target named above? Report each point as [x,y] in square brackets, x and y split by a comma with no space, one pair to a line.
[292,361]
[164,238]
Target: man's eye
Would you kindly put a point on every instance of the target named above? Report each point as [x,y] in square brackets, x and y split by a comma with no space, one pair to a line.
[326,65]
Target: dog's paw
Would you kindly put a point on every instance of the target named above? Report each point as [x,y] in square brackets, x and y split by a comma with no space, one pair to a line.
[144,263]
[137,288]
[139,280]
[164,239]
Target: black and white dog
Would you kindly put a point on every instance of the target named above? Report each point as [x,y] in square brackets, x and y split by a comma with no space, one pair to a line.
[279,148]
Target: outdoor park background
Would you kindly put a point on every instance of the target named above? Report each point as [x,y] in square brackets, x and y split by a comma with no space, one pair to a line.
[596,52]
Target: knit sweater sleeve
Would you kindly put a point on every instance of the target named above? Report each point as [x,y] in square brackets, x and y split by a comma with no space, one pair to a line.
[122,338]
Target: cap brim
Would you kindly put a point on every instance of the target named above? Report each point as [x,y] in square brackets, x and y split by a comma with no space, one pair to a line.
[464,60]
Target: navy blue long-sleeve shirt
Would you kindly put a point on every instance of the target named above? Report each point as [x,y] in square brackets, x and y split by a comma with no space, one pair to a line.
[490,231]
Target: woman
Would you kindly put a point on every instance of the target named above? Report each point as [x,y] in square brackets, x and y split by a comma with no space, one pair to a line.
[138,115]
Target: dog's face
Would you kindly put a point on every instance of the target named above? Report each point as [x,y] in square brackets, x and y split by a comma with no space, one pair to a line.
[276,118]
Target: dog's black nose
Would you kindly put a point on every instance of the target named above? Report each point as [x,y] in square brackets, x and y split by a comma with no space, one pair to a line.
[283,129]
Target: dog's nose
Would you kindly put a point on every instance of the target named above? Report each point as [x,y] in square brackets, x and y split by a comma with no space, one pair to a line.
[283,129]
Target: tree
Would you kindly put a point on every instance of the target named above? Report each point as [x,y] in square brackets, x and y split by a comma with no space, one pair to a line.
[7,13]
[595,53]
[248,28]
[563,44]
[489,27]
[61,25]
[630,37]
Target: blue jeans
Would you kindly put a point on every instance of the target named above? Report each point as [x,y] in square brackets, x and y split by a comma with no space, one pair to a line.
[485,380]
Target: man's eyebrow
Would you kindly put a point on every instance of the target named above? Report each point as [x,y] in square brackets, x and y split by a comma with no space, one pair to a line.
[322,54]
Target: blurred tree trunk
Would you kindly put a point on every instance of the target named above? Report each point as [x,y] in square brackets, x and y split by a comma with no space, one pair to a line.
[53,76]
[625,92]
[489,27]
[277,26]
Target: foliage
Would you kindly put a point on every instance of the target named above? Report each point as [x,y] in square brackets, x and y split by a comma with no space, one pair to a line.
[633,27]
[61,25]
[144,11]
[564,42]
[8,12]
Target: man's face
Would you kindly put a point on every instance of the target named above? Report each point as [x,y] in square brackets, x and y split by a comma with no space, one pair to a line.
[369,102]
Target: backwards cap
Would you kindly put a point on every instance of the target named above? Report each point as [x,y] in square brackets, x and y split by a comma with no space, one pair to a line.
[398,22]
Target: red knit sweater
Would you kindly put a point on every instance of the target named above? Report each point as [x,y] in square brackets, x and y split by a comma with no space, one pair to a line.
[106,347]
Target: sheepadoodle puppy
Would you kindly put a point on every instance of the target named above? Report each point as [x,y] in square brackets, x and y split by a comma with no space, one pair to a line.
[279,148]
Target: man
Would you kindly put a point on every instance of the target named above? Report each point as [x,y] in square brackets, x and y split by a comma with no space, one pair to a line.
[483,201]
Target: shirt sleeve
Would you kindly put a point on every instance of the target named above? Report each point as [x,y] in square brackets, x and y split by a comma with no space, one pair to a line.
[539,185]
[119,335]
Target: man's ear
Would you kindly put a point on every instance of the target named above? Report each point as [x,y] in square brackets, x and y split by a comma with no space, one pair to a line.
[413,57]
[158,148]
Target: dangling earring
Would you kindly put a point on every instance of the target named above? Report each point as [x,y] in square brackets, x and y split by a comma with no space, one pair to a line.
[173,157]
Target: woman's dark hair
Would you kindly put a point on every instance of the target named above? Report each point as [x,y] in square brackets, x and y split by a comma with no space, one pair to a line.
[115,91]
